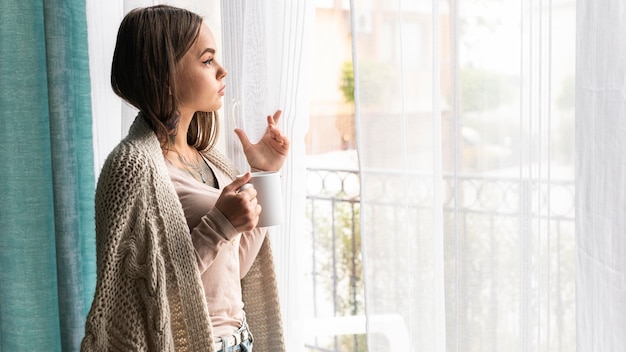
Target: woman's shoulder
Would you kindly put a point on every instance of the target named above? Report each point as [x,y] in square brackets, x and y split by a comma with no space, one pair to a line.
[125,158]
[131,161]
[138,152]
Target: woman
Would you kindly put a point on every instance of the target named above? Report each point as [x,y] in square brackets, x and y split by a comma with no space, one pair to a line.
[178,251]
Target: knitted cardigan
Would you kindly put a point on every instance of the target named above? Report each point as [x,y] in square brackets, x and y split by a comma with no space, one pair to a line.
[149,295]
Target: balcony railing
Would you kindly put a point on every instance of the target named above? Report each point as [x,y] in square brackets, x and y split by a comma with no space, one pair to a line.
[333,215]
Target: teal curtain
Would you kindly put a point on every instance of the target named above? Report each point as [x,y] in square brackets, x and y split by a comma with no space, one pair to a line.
[47,256]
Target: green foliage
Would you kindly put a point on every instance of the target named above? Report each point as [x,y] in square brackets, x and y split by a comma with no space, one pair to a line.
[347,81]
[484,90]
[339,262]
[371,75]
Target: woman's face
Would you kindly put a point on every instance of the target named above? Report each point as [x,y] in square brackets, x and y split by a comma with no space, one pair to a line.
[199,78]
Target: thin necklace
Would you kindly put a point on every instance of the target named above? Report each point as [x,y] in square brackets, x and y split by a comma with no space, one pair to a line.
[189,165]
[204,162]
[200,169]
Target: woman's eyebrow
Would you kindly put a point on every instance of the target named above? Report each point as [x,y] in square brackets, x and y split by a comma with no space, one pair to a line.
[208,50]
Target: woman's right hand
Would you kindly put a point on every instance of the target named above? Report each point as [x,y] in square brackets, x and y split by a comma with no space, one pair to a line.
[240,208]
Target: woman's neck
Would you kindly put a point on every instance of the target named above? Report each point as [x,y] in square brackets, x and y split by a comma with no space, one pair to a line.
[178,141]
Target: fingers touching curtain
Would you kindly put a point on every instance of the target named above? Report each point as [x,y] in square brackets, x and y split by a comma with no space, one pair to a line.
[266,49]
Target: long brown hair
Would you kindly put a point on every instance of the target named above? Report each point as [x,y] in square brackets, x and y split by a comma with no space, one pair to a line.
[150,43]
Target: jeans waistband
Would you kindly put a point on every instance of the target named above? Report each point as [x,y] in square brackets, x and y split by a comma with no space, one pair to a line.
[239,336]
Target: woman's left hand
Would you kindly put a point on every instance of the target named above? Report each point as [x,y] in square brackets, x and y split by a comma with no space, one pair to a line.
[270,152]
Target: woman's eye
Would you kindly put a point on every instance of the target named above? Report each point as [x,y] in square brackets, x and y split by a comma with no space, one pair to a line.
[208,62]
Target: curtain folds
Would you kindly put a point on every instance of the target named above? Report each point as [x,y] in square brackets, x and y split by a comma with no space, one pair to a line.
[601,176]
[464,123]
[266,50]
[398,123]
[46,248]
[478,232]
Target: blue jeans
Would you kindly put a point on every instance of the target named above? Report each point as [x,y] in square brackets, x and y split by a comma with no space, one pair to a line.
[244,346]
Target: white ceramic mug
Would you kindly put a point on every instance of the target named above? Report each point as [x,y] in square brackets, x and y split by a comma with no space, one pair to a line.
[269,196]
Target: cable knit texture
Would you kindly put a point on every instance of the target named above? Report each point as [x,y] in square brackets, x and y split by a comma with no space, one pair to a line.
[149,295]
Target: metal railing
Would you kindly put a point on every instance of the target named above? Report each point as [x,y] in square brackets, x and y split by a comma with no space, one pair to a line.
[333,215]
[333,205]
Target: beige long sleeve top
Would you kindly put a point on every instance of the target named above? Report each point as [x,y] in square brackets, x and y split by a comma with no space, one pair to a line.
[224,256]
[149,294]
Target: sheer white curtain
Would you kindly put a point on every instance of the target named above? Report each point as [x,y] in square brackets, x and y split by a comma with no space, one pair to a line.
[465,120]
[266,49]
[601,175]
[465,139]
[103,19]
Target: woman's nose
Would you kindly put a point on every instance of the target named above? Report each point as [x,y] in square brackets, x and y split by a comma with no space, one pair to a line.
[222,72]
